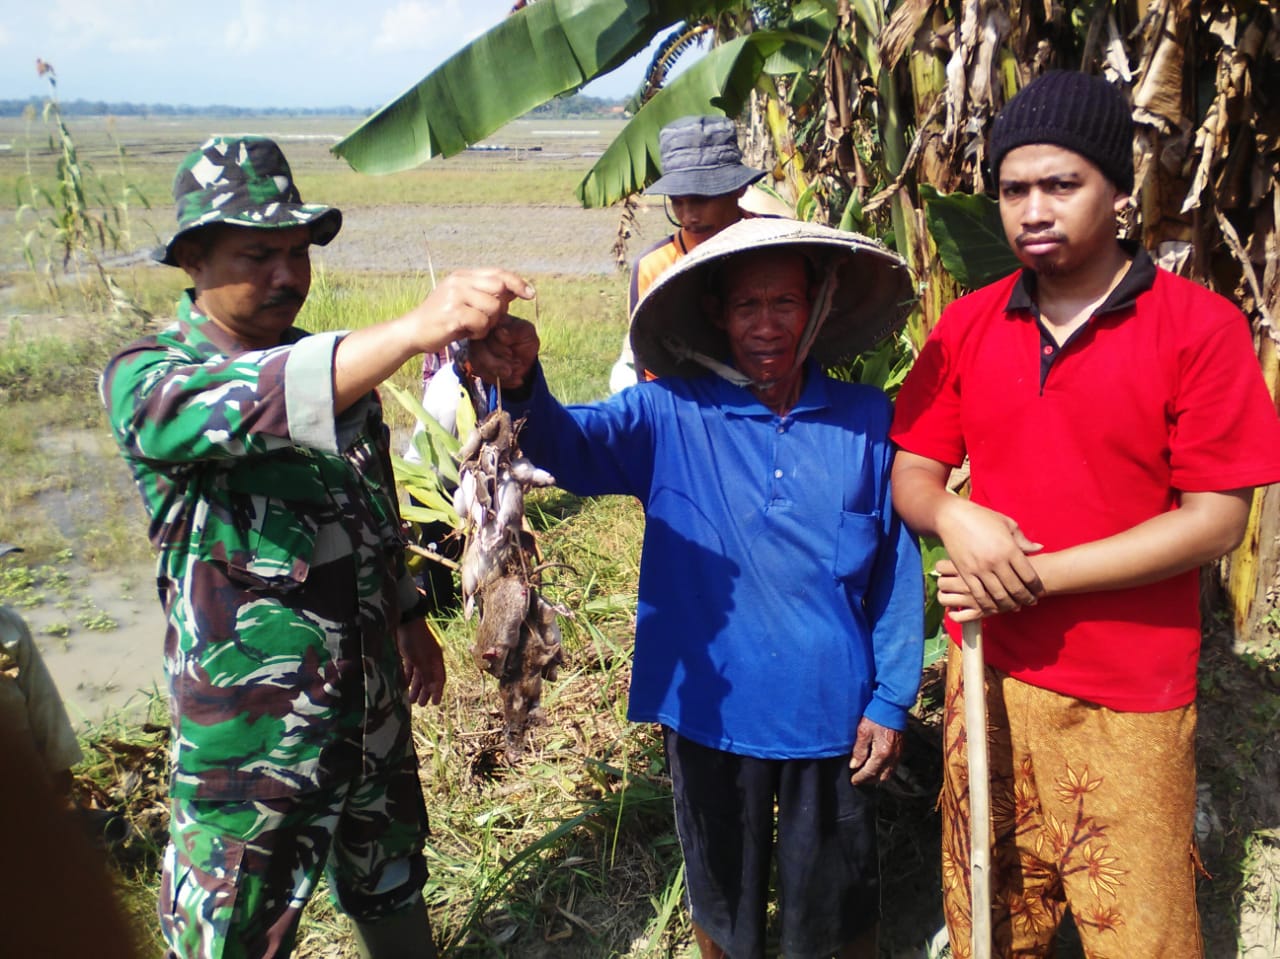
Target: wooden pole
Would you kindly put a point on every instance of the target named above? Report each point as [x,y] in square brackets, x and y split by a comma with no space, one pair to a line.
[975,724]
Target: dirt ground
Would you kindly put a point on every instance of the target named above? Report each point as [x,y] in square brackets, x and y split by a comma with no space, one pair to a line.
[398,239]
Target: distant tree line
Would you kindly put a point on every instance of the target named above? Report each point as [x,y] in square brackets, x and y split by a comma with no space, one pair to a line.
[100,108]
[576,105]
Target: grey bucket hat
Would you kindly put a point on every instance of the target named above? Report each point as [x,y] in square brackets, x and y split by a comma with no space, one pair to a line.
[867,289]
[700,157]
[245,181]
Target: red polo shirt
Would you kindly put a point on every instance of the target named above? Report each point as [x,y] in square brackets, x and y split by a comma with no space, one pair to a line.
[1160,392]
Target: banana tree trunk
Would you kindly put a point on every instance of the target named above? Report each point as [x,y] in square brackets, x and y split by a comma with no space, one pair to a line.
[1251,574]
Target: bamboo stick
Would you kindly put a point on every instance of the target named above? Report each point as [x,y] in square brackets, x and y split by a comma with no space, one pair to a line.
[975,723]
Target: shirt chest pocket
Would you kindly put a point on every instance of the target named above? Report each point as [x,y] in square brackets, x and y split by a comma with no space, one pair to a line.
[857,542]
[267,539]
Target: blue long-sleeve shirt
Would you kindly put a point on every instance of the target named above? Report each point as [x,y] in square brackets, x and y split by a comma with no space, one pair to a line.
[780,599]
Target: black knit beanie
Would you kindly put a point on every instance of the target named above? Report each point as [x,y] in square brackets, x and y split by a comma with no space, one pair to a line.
[1083,113]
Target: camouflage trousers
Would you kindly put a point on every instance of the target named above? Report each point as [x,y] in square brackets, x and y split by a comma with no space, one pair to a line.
[238,873]
[1090,808]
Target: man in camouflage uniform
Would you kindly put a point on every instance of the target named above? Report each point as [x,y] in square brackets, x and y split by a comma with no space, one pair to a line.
[293,625]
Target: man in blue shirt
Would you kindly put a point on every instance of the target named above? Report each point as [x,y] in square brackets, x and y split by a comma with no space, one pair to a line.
[779,624]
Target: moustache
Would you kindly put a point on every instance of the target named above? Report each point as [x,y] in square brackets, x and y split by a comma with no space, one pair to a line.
[286,297]
[1025,239]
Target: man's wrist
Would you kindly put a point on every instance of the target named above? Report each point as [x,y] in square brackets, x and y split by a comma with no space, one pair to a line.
[1047,569]
[418,610]
[945,508]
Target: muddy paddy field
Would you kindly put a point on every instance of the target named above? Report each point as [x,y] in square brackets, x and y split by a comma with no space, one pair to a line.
[571,855]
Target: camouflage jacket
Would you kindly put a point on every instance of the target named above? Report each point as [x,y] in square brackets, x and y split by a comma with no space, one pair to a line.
[281,564]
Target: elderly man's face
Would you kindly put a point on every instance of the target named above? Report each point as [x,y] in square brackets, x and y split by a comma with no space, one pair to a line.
[764,311]
[251,282]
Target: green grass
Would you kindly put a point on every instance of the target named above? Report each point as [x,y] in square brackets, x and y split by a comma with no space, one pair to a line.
[37,361]
[457,182]
[581,322]
[452,183]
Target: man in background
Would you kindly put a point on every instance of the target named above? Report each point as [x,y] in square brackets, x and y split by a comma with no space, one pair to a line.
[704,176]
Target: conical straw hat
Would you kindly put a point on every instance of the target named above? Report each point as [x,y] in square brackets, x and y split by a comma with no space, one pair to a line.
[869,288]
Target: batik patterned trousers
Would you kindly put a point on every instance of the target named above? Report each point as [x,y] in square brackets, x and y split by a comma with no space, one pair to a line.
[1091,808]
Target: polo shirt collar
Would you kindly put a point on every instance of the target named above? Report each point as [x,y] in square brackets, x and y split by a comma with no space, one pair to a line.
[740,401]
[1139,278]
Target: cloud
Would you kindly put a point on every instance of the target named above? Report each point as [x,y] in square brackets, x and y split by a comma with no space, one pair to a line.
[122,26]
[422,26]
[249,31]
[294,30]
[139,45]
[5,38]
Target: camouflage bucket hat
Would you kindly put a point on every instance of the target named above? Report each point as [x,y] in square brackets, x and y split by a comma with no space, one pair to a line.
[867,289]
[245,181]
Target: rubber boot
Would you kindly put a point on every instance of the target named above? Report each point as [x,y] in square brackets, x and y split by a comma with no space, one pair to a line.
[402,935]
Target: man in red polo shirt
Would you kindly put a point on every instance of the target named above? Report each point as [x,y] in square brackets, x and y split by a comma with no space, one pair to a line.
[1115,422]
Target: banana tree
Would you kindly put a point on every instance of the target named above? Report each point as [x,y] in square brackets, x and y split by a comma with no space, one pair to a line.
[537,53]
[553,47]
[878,110]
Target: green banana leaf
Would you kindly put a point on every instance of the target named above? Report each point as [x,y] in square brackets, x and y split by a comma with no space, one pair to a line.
[436,446]
[969,236]
[427,514]
[719,82]
[537,53]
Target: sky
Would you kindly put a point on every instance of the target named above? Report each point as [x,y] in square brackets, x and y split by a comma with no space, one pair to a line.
[245,53]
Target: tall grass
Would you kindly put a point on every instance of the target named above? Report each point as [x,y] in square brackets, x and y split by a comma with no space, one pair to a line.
[581,322]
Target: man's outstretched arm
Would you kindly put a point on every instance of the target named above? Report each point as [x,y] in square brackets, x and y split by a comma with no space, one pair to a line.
[467,304]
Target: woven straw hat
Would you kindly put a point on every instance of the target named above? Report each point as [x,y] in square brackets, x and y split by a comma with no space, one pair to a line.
[864,289]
